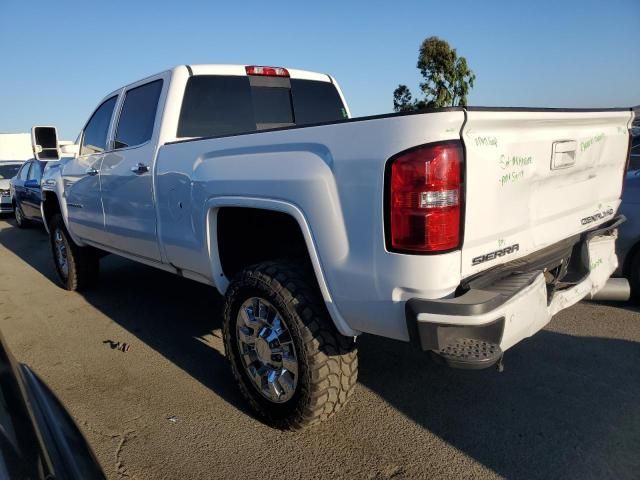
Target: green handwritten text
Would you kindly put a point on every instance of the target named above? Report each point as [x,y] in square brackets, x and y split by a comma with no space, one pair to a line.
[511,177]
[515,161]
[588,143]
[595,264]
[486,141]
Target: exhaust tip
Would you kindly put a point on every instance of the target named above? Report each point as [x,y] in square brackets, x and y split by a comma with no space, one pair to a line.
[615,290]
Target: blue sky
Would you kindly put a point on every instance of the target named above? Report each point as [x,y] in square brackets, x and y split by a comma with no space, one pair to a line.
[59,58]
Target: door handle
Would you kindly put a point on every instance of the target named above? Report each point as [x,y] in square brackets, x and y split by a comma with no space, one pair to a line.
[140,168]
[92,172]
[563,154]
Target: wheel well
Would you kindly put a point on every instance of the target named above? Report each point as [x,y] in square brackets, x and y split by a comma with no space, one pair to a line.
[247,236]
[50,206]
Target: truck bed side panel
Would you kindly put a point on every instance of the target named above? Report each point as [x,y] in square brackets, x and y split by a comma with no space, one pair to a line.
[334,174]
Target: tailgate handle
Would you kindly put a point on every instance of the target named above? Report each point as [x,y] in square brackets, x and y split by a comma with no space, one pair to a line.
[563,154]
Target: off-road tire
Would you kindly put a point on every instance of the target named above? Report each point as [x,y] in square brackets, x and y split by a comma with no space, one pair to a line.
[83,262]
[327,360]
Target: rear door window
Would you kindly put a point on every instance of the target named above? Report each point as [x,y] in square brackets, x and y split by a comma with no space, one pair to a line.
[138,115]
[94,139]
[217,105]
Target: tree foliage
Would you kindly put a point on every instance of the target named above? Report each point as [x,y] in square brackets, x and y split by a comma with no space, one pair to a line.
[447,78]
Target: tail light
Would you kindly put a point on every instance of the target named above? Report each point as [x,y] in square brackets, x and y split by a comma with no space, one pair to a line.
[425,199]
[266,71]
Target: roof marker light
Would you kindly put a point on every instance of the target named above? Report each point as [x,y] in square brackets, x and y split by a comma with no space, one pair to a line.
[266,71]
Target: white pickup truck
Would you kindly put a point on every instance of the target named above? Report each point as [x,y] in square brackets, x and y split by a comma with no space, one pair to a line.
[460,230]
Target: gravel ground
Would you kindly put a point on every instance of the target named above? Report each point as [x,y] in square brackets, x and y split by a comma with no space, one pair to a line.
[566,405]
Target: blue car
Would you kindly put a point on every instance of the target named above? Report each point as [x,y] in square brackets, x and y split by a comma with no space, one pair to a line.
[634,159]
[628,244]
[26,193]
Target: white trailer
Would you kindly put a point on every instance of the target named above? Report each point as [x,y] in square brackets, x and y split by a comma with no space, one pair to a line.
[15,146]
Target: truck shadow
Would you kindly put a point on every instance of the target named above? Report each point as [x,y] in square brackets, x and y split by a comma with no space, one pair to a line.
[565,406]
[172,315]
[631,306]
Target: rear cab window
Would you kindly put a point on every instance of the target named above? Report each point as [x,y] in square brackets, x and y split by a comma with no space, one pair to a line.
[316,102]
[272,103]
[221,105]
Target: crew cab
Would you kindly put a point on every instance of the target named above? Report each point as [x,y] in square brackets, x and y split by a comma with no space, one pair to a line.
[461,230]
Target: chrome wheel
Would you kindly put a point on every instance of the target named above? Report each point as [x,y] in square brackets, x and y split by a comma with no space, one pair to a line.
[61,252]
[267,350]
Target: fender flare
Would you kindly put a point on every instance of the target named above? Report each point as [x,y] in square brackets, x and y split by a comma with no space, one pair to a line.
[63,212]
[221,282]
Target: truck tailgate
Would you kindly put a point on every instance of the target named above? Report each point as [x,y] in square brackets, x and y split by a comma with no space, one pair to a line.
[534,178]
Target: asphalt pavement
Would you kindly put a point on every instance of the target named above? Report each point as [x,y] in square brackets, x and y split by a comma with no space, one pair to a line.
[566,406]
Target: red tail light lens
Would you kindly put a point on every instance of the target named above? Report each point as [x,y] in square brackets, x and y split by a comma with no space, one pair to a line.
[266,71]
[425,198]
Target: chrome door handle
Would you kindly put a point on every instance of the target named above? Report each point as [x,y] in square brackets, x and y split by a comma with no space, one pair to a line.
[92,172]
[563,154]
[140,168]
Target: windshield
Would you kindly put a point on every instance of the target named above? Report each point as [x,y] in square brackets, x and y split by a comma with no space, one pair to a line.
[9,170]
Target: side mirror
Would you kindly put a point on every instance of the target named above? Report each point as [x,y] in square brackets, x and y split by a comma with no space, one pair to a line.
[44,141]
[33,183]
[70,149]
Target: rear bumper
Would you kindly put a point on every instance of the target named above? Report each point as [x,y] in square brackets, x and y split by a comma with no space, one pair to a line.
[504,306]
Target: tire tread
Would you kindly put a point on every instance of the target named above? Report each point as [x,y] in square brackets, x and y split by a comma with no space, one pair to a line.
[331,359]
[83,261]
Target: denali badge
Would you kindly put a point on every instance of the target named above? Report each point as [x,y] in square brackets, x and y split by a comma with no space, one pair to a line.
[597,216]
[493,255]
